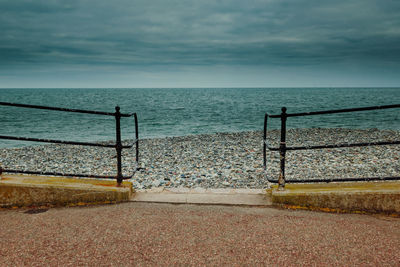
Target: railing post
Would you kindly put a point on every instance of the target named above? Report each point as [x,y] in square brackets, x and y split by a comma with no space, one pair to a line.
[137,139]
[282,149]
[264,141]
[118,144]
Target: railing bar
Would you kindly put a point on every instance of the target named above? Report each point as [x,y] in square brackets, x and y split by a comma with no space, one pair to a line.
[265,145]
[63,142]
[281,181]
[131,145]
[337,180]
[54,141]
[353,179]
[65,174]
[118,144]
[64,109]
[137,137]
[336,111]
[270,148]
[344,145]
[282,149]
[335,146]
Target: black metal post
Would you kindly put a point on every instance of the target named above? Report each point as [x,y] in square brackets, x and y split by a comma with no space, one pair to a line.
[264,141]
[137,139]
[118,144]
[282,149]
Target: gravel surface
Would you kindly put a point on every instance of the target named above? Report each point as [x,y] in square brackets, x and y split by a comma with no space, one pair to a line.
[140,234]
[232,160]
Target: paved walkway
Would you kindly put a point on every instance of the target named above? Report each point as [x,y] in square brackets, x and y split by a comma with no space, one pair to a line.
[147,234]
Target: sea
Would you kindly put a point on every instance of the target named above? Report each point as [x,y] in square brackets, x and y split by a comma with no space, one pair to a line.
[167,112]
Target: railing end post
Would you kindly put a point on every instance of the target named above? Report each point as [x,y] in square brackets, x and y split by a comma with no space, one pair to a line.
[281,183]
[137,138]
[264,142]
[118,144]
[282,150]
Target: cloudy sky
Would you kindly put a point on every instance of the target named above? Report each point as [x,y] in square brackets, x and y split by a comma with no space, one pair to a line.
[199,43]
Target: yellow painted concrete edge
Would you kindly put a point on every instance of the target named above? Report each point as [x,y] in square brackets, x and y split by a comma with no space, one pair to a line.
[20,191]
[360,197]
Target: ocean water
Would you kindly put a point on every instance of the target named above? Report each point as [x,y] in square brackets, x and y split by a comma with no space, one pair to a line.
[177,112]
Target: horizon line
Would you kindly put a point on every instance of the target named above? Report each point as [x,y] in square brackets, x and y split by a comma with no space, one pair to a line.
[238,87]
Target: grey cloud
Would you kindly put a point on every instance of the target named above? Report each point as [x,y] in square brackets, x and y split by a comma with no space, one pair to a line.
[205,32]
[35,7]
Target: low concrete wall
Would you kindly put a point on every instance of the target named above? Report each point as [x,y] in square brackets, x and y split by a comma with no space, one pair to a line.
[375,197]
[27,191]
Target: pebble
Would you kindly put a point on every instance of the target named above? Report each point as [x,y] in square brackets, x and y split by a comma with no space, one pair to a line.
[221,160]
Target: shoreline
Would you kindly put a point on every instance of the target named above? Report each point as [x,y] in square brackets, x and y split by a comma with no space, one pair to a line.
[222,160]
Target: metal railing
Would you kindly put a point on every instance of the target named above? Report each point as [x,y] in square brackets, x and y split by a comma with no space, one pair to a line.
[283,148]
[118,144]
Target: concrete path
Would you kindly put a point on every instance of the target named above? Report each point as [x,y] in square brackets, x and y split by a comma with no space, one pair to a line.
[373,197]
[249,197]
[148,234]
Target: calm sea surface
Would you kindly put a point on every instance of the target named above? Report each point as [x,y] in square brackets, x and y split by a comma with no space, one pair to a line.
[177,112]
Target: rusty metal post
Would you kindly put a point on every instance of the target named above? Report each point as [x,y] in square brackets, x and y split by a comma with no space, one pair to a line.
[118,144]
[282,149]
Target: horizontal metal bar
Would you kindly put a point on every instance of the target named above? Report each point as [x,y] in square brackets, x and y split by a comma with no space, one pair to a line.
[65,174]
[131,145]
[343,145]
[270,148]
[64,109]
[336,111]
[337,180]
[62,142]
[335,146]
[55,141]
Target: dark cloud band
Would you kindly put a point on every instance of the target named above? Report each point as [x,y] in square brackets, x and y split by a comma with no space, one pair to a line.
[199,33]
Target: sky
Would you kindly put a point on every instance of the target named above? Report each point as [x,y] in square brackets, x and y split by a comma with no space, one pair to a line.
[199,43]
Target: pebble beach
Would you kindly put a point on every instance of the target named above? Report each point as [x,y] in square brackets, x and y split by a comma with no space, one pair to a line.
[222,160]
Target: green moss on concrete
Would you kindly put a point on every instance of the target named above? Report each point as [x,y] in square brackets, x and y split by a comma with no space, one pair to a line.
[376,197]
[38,190]
[322,187]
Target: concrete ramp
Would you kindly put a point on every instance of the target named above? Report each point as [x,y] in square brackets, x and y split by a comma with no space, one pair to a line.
[248,197]
[23,190]
[372,197]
